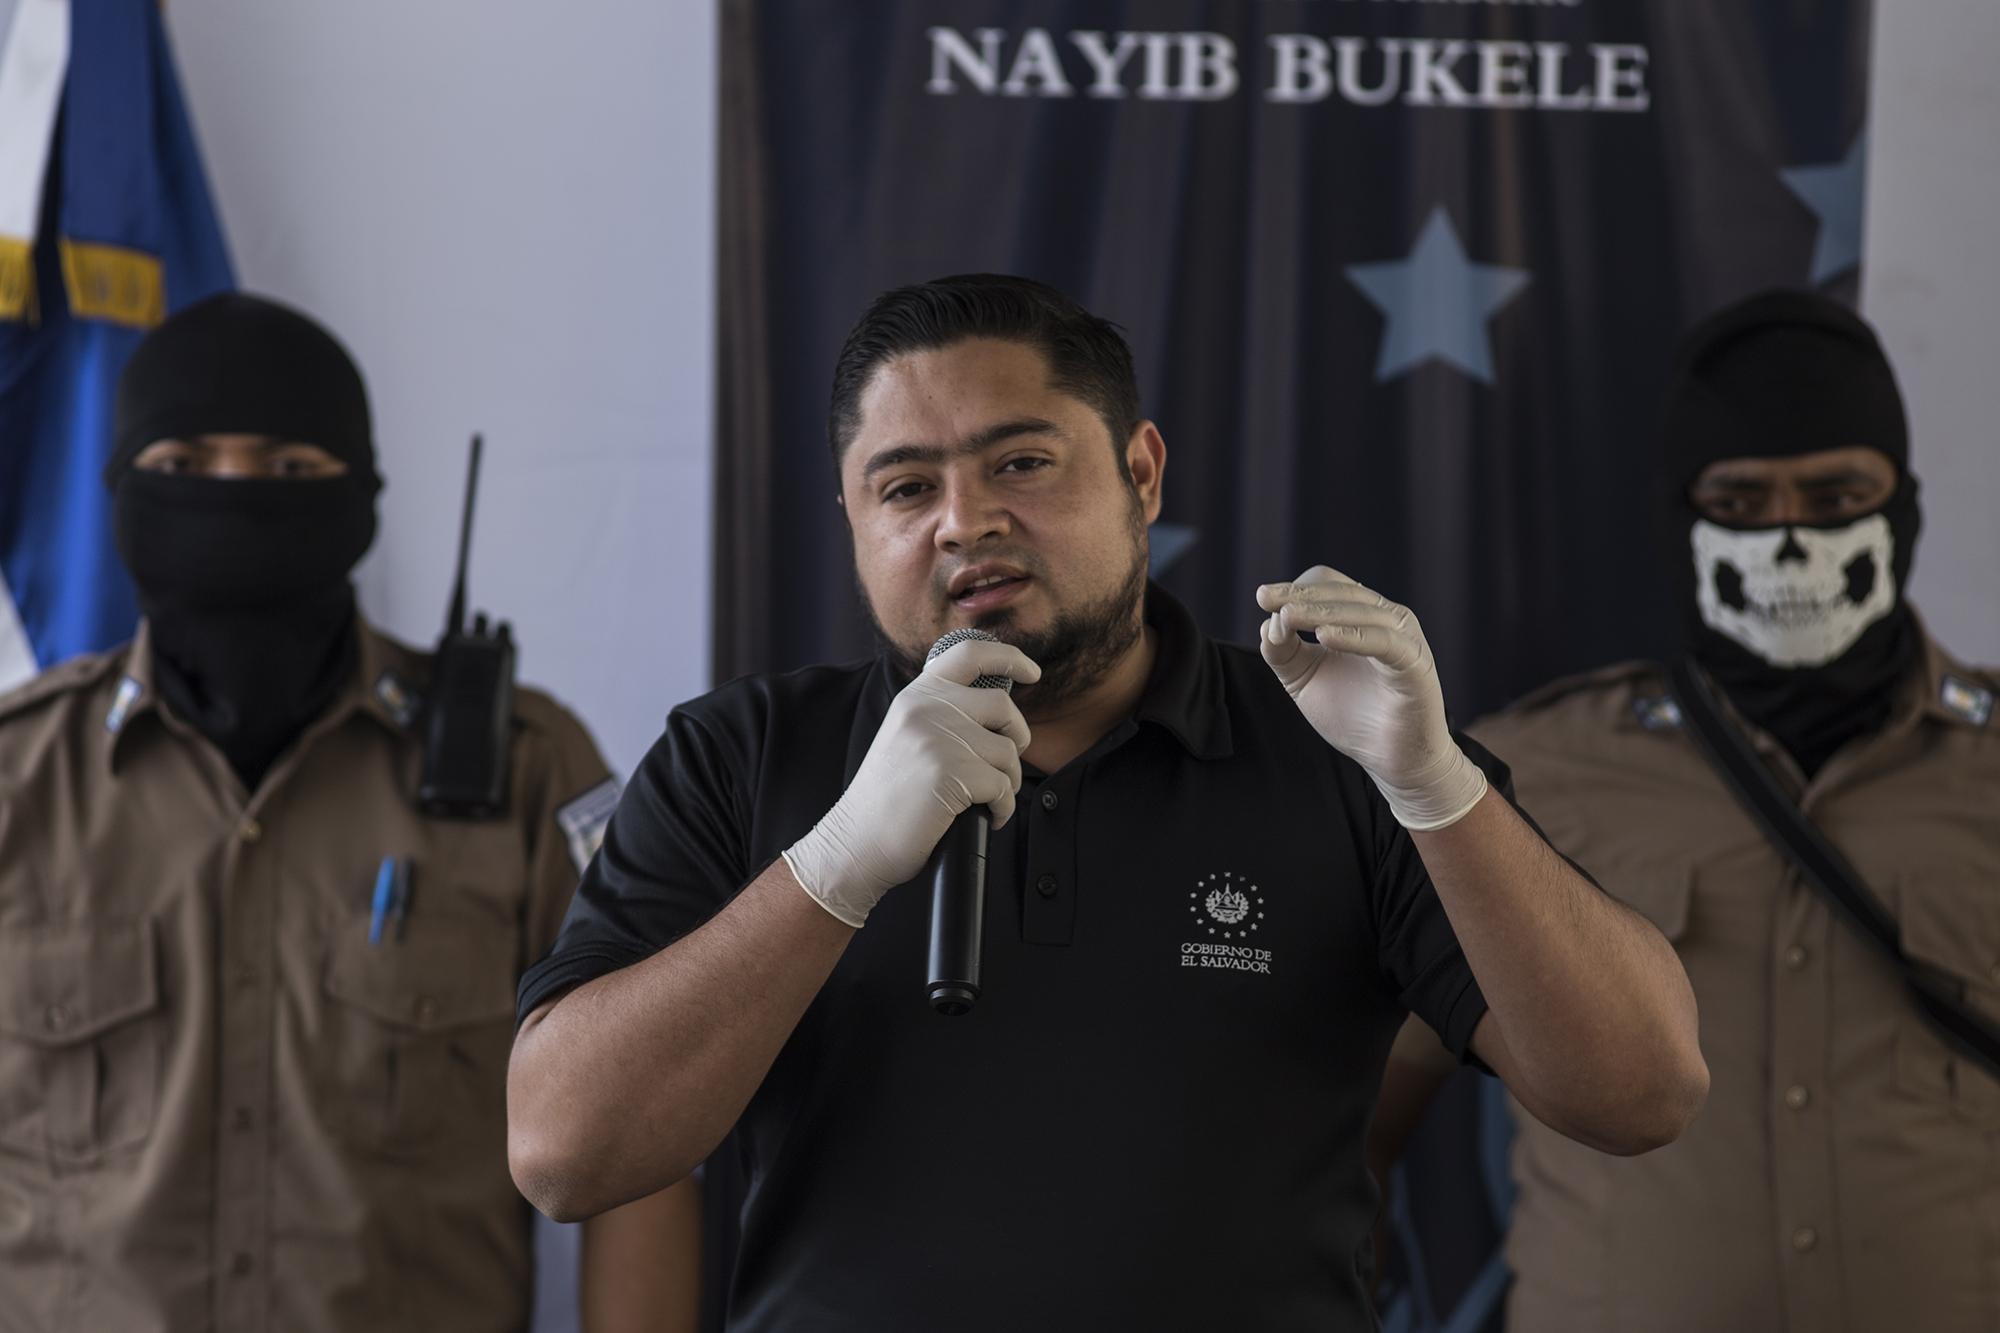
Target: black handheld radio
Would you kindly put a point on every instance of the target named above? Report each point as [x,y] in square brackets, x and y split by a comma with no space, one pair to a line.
[469,708]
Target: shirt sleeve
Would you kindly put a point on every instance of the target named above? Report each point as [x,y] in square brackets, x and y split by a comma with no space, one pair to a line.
[671,855]
[1418,952]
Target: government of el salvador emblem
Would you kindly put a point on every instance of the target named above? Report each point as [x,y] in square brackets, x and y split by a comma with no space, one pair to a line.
[1227,905]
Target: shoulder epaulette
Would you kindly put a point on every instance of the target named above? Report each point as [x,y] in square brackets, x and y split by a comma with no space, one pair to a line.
[78,673]
[1966,691]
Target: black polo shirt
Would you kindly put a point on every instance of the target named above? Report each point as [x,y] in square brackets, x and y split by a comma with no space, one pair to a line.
[1201,938]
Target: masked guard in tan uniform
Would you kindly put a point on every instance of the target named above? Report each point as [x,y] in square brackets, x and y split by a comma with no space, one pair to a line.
[1844,1177]
[256,1005]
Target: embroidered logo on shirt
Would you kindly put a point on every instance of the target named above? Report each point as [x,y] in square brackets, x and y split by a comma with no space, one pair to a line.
[584,820]
[128,694]
[1963,699]
[1231,905]
[1227,906]
[1223,907]
[1657,712]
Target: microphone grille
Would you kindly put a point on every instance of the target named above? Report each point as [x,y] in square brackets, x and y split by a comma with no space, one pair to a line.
[952,638]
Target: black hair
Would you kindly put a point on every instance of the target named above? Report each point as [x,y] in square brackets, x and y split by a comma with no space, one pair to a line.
[1088,357]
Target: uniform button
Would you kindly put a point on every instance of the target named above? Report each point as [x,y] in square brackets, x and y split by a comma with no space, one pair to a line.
[427,1009]
[1804,1239]
[1797,1097]
[1049,801]
[251,831]
[1795,957]
[1046,886]
[241,1265]
[55,1018]
[240,1120]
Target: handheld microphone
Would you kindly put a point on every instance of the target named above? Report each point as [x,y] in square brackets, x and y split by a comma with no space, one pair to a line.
[958,883]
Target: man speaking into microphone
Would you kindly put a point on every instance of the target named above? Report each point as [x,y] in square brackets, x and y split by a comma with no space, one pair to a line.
[1216,881]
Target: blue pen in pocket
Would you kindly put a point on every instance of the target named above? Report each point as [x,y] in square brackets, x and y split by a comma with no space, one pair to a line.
[385,894]
[390,907]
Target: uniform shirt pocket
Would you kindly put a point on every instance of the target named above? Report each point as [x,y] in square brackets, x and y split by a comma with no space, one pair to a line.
[1950,922]
[419,1029]
[79,1058]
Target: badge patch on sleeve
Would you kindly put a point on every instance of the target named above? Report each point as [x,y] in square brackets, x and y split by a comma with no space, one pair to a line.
[128,694]
[1657,712]
[584,820]
[1966,700]
[398,698]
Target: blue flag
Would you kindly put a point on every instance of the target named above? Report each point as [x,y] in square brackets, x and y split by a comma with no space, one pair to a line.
[105,227]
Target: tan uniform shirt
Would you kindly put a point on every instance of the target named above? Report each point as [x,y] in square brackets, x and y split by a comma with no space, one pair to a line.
[221,1107]
[1845,1174]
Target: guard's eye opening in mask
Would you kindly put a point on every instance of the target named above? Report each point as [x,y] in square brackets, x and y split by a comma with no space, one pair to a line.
[1828,488]
[228,457]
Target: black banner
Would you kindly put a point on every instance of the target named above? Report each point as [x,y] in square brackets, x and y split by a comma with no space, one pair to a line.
[1401,279]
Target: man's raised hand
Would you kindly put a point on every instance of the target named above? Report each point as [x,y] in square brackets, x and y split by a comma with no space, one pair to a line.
[1369,686]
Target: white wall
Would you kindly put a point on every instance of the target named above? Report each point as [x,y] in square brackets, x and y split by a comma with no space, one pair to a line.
[1931,284]
[505,211]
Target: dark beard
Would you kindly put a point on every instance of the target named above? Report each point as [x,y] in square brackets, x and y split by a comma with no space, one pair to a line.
[1077,650]
[1080,647]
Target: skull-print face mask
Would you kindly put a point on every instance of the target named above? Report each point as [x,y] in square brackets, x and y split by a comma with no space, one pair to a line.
[1805,628]
[1794,596]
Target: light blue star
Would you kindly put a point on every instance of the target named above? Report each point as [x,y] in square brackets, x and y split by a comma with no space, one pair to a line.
[1169,543]
[1437,302]
[1834,192]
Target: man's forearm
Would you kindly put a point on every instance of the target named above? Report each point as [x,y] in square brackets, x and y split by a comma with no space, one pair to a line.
[1593,1010]
[622,1086]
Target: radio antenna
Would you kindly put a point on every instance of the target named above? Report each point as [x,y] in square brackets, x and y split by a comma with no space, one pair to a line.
[454,621]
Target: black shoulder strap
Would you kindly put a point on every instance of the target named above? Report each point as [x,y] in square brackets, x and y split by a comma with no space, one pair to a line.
[1825,870]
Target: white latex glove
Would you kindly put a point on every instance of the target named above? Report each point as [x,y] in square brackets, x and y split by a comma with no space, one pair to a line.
[1369,686]
[943,748]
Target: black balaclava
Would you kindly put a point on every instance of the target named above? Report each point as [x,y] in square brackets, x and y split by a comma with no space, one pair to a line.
[244,583]
[1804,626]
